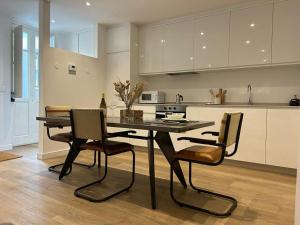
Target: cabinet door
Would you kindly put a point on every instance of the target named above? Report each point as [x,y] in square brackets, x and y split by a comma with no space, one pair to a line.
[286,36]
[212,41]
[251,36]
[283,137]
[253,133]
[151,42]
[179,46]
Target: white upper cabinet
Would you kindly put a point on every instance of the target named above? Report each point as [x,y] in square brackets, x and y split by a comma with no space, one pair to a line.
[286,38]
[251,35]
[212,41]
[151,50]
[179,46]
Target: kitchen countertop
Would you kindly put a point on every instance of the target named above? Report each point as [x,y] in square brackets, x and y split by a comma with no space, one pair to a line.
[231,105]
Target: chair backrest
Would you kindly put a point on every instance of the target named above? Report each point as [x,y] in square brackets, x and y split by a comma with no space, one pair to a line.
[52,110]
[230,130]
[88,124]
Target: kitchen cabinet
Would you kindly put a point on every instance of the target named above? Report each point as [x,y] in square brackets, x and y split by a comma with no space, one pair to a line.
[251,35]
[179,46]
[212,41]
[151,49]
[286,32]
[282,145]
[253,133]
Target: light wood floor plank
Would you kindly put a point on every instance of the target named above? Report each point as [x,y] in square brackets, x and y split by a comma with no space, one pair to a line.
[29,194]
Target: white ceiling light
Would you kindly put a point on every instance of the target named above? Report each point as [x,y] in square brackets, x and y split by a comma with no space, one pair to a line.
[203,47]
[248,42]
[252,25]
[263,50]
[201,33]
[88,4]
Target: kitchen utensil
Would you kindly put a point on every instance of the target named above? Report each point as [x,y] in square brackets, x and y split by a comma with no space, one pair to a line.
[295,101]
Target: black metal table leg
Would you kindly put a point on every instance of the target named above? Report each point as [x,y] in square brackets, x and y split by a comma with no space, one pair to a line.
[151,168]
[73,153]
[164,142]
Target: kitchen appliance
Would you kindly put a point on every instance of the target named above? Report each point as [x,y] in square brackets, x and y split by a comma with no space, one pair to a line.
[150,97]
[179,98]
[162,111]
[295,101]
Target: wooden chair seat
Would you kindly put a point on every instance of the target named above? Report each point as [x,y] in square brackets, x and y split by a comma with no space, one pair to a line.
[111,147]
[206,154]
[62,137]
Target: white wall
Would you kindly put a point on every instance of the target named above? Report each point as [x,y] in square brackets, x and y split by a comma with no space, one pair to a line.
[297,209]
[269,84]
[67,41]
[5,85]
[60,88]
[83,42]
[120,54]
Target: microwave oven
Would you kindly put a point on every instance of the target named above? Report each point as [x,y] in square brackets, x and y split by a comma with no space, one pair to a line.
[151,97]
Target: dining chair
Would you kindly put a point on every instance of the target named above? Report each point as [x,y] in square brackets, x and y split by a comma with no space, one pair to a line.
[65,137]
[211,153]
[90,124]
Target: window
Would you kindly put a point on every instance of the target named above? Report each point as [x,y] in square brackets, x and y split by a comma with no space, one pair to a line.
[36,67]
[25,65]
[52,41]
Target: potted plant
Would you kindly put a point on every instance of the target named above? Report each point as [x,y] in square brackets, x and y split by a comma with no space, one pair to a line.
[128,95]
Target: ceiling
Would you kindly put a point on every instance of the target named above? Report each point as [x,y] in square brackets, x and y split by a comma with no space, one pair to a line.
[75,15]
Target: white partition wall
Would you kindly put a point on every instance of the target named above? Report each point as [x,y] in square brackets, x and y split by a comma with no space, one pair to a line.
[297,209]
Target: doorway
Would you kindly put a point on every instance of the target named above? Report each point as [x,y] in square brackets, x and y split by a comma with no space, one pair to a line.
[25,85]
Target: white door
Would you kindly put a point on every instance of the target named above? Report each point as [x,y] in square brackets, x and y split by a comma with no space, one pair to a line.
[26,106]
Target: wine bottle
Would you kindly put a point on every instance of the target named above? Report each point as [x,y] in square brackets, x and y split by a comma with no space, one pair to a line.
[103,104]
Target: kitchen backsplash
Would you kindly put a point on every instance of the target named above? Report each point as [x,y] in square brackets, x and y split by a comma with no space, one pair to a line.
[269,84]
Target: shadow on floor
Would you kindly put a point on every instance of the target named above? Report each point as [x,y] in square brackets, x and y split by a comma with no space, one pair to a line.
[139,194]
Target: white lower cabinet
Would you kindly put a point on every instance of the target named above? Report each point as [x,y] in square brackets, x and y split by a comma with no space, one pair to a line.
[283,137]
[253,133]
[268,136]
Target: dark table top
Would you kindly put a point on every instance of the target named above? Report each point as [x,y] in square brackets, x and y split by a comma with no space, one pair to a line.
[155,124]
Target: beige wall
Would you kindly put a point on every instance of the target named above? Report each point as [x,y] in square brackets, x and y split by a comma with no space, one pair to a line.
[297,207]
[121,55]
[58,87]
[270,84]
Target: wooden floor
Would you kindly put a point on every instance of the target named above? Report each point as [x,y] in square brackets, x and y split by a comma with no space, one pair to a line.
[29,194]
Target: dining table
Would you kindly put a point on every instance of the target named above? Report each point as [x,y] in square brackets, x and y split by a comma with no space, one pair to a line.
[158,131]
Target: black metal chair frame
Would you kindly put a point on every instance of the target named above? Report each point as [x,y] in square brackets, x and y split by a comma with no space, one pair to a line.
[78,191]
[232,200]
[53,168]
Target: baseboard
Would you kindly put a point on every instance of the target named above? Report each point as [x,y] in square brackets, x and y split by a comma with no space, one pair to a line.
[49,155]
[6,147]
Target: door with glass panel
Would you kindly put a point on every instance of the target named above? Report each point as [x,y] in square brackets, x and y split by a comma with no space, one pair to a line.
[25,85]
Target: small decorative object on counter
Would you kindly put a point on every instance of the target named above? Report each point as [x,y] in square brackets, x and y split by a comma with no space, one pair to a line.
[128,96]
[219,98]
[295,101]
[103,104]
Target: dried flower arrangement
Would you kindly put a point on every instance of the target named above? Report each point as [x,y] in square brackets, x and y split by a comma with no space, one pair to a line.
[129,95]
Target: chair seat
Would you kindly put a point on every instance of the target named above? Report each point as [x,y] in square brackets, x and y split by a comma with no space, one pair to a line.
[111,147]
[62,137]
[206,154]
